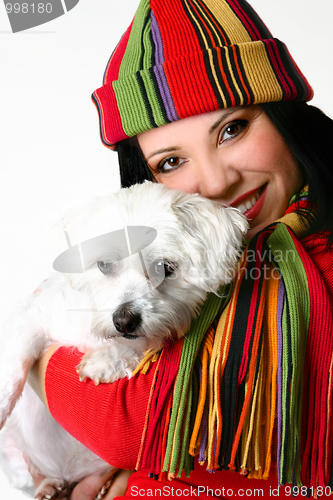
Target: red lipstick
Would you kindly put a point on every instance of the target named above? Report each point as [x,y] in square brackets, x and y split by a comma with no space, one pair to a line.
[242,197]
[254,211]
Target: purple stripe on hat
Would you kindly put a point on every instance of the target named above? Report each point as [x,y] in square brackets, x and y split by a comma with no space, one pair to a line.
[159,71]
[165,93]
[159,53]
[279,312]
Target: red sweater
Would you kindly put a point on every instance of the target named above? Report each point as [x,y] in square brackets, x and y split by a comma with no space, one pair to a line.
[109,420]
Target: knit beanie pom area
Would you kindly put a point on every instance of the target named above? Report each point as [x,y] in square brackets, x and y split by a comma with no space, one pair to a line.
[180,58]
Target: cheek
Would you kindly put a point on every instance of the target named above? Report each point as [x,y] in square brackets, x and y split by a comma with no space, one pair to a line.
[286,170]
[181,179]
[269,154]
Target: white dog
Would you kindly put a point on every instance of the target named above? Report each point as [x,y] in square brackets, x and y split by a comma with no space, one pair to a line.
[138,266]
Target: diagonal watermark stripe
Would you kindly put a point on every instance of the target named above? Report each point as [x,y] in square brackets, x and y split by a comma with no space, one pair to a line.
[70,4]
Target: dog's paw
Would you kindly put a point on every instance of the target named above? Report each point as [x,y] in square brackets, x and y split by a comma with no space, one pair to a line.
[53,488]
[108,363]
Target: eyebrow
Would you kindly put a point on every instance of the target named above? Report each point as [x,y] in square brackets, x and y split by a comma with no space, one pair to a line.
[222,117]
[211,130]
[164,150]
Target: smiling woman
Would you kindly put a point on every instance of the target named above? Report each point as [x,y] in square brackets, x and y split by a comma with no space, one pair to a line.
[214,104]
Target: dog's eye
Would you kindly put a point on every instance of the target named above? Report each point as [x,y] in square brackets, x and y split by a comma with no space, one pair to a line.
[162,268]
[104,267]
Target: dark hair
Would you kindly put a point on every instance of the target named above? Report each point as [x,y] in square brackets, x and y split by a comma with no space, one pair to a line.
[132,165]
[309,134]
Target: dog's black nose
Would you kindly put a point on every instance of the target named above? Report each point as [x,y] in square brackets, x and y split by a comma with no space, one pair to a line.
[126,321]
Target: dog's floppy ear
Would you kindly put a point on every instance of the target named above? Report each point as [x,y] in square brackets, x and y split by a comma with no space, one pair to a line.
[212,236]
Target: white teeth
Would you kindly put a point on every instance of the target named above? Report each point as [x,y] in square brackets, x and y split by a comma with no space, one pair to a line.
[249,204]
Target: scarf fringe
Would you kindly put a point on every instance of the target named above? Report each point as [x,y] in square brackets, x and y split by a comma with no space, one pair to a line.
[255,387]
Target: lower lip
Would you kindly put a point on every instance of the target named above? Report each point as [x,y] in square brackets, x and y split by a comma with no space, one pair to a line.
[254,211]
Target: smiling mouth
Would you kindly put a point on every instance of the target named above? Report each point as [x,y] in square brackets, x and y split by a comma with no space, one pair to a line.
[246,204]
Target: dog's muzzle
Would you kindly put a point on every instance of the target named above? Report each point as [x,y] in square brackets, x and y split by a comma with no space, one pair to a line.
[126,321]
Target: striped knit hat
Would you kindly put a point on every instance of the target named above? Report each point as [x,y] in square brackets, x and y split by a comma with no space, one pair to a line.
[180,58]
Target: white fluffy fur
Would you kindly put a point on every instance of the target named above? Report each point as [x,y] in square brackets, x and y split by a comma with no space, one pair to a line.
[200,238]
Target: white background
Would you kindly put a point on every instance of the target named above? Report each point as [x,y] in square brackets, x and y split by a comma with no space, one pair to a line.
[51,154]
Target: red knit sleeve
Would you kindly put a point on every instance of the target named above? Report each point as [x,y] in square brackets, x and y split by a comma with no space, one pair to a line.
[109,418]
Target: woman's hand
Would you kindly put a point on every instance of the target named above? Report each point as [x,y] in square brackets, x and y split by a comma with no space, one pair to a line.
[91,487]
[96,486]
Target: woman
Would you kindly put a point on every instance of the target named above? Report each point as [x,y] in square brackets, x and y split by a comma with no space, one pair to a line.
[213,104]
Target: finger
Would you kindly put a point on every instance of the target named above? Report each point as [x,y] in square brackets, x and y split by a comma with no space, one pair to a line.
[90,486]
[119,484]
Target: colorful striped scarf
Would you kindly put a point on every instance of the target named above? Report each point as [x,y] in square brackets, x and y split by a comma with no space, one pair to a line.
[251,384]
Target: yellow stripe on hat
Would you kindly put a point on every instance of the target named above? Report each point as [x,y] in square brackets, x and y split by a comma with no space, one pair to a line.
[232,26]
[234,81]
[221,93]
[210,23]
[203,36]
[211,62]
[259,72]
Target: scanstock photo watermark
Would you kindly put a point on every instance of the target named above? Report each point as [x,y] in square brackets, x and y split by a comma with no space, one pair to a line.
[25,15]
[200,491]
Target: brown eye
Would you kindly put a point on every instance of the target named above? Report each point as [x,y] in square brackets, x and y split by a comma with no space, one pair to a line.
[171,163]
[232,130]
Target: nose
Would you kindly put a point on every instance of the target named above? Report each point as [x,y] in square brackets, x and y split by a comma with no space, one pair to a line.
[215,180]
[125,320]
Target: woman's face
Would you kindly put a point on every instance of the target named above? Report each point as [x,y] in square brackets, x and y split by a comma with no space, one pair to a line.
[235,156]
